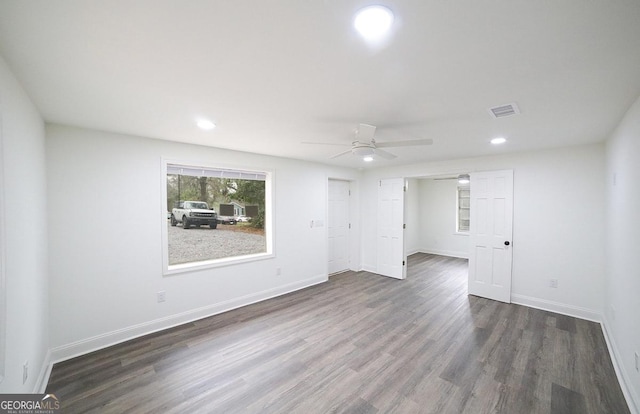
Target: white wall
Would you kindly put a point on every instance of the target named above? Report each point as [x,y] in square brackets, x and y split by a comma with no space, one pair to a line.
[622,303]
[105,218]
[24,245]
[412,217]
[558,223]
[438,204]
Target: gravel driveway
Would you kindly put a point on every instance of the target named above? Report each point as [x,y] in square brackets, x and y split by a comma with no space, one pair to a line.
[197,244]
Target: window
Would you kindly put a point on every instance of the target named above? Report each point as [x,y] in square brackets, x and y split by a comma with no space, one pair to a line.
[463,209]
[203,226]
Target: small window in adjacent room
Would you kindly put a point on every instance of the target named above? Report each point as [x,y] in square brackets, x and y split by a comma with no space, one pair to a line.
[215,216]
[463,204]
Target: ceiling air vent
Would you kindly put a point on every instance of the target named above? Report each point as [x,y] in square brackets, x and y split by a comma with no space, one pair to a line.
[504,110]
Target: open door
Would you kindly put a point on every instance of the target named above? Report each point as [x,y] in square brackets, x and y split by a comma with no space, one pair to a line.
[390,246]
[490,235]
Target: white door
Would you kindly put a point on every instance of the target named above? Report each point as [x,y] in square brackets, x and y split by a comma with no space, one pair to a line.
[490,235]
[338,226]
[391,258]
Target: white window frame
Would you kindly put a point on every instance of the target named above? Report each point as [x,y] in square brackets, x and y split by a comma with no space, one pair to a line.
[167,269]
[458,188]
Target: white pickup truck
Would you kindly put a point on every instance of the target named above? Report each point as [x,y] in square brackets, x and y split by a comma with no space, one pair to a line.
[193,213]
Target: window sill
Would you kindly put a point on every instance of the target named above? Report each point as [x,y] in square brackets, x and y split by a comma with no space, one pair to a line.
[212,264]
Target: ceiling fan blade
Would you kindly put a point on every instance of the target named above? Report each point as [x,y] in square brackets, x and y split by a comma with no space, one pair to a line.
[384,154]
[341,154]
[342,144]
[366,132]
[407,143]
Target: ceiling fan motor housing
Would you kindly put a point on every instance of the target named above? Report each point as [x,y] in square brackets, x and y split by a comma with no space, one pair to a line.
[362,150]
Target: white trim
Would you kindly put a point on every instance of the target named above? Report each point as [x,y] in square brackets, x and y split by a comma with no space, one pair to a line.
[170,270]
[85,346]
[209,264]
[458,188]
[45,372]
[557,307]
[3,260]
[449,253]
[633,402]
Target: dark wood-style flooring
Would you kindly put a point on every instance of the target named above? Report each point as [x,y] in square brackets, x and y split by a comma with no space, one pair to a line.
[360,343]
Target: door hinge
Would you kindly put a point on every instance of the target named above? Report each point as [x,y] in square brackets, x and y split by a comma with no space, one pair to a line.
[404,226]
[380,183]
[403,263]
[404,188]
[349,192]
[349,225]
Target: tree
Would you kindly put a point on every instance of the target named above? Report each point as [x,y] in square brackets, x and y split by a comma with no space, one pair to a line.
[252,192]
[202,182]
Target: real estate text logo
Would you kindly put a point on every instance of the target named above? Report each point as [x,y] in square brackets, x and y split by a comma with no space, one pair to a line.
[29,404]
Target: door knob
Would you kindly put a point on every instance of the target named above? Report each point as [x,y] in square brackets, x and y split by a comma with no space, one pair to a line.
[506,243]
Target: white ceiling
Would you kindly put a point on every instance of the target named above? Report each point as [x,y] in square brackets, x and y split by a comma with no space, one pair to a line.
[273,73]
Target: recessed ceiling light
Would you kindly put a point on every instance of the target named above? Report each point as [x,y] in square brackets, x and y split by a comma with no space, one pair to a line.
[367,159]
[499,140]
[373,22]
[205,124]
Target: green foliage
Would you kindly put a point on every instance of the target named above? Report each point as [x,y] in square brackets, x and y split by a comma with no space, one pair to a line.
[258,221]
[250,192]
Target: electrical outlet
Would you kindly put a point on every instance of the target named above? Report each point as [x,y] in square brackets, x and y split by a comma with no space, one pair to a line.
[637,362]
[553,283]
[25,372]
[162,296]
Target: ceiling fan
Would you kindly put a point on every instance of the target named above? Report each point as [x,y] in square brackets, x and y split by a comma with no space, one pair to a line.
[365,144]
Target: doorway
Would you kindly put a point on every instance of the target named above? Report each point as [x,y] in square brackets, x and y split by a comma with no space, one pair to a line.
[437,217]
[338,225]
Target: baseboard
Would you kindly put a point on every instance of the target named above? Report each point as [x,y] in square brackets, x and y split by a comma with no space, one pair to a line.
[105,340]
[43,377]
[557,307]
[448,253]
[623,378]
